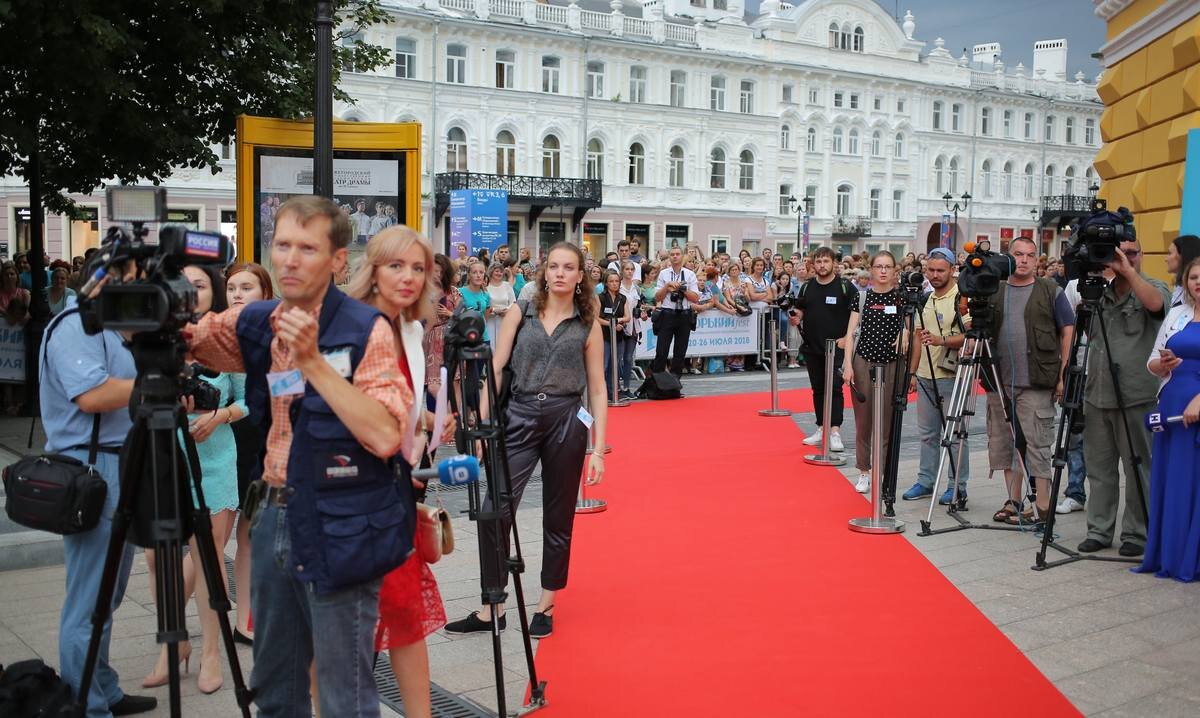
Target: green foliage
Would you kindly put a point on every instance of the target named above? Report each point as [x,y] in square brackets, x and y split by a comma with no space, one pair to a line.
[127,90]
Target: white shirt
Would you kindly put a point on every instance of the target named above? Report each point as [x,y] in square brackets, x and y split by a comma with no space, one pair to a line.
[1177,319]
[684,275]
[616,267]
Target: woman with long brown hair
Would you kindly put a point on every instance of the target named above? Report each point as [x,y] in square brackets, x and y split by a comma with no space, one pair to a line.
[556,356]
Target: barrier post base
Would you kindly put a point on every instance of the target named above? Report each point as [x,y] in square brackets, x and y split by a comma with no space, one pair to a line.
[774,412]
[825,459]
[590,506]
[882,525]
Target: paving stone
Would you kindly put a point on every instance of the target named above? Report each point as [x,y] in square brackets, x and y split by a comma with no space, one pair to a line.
[1088,652]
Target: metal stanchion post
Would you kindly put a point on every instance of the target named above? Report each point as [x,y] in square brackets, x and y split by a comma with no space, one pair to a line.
[584,505]
[877,523]
[774,410]
[614,398]
[825,458]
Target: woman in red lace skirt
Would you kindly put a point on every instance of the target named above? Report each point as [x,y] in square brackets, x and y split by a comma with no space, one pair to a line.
[393,278]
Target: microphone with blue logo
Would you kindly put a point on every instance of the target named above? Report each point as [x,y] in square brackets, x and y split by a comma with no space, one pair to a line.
[459,470]
[1157,423]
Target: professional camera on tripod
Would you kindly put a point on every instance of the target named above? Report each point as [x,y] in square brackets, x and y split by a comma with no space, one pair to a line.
[144,294]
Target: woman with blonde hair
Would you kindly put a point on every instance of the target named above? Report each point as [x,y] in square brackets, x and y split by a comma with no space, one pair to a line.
[394,277]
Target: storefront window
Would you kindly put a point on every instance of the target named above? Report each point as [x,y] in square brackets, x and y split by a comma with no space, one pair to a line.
[84,231]
[595,239]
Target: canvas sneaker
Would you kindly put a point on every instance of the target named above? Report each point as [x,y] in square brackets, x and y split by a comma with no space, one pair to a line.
[835,442]
[814,439]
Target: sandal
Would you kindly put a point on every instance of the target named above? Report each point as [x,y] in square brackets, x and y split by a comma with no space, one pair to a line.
[1007,511]
[1029,517]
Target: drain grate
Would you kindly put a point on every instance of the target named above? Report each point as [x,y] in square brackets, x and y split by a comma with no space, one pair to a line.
[445,704]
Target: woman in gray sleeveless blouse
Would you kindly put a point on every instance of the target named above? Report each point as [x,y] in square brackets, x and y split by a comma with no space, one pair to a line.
[557,352]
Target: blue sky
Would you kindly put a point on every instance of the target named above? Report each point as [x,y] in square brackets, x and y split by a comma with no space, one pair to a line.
[1015,24]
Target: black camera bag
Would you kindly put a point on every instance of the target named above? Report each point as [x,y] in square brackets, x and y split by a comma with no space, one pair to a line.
[56,493]
[31,688]
[661,385]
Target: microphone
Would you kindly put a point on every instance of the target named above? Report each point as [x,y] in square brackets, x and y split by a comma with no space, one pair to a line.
[90,286]
[1157,423]
[457,470]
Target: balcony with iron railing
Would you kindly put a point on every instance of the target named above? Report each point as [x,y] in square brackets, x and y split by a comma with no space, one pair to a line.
[538,193]
[851,226]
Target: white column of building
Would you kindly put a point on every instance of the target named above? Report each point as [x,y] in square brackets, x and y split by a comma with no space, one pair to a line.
[864,200]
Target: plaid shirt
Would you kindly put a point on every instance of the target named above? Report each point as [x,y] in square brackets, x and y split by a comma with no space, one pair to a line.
[214,343]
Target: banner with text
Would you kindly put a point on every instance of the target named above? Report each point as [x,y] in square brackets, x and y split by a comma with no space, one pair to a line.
[716,334]
[12,352]
[479,218]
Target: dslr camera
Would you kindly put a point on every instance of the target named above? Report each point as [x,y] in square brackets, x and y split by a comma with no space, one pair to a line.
[1094,246]
[983,271]
[158,298]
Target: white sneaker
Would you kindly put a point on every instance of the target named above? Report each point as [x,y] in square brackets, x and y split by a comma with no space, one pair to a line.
[814,439]
[1067,505]
[835,442]
[864,483]
[793,365]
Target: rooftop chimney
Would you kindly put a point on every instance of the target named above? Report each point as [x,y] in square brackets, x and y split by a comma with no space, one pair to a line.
[1051,56]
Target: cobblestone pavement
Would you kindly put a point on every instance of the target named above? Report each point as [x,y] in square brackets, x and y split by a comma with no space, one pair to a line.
[1115,643]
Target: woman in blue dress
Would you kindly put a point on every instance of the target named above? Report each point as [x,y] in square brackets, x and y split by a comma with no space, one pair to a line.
[1173,539]
[217,450]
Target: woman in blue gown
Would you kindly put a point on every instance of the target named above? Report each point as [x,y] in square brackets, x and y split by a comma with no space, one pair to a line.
[1173,539]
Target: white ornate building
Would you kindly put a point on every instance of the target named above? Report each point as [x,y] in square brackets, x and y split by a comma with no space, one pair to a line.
[701,121]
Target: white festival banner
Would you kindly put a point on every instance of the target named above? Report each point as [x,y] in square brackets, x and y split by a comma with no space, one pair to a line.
[716,334]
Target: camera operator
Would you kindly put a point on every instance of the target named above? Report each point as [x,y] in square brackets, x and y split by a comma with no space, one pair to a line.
[675,292]
[83,377]
[943,333]
[322,375]
[876,338]
[825,304]
[1034,324]
[1132,307]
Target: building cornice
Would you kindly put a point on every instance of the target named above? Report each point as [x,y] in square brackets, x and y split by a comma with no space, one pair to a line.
[1168,16]
[1108,9]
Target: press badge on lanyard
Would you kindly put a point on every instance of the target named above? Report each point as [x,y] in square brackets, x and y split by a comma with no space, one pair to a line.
[584,417]
[339,359]
[285,383]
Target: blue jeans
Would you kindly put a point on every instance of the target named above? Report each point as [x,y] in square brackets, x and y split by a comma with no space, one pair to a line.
[85,553]
[626,348]
[1076,472]
[929,428]
[290,621]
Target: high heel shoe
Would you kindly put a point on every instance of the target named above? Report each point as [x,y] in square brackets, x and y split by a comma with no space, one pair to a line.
[155,680]
[200,681]
[239,637]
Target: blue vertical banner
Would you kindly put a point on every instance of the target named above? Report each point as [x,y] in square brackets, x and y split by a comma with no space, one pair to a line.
[460,218]
[489,219]
[804,239]
[1189,220]
[945,230]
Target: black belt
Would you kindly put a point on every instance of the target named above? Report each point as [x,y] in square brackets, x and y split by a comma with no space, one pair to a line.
[676,311]
[279,495]
[542,396]
[114,450]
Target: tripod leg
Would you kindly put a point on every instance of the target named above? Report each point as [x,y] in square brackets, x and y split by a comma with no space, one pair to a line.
[964,382]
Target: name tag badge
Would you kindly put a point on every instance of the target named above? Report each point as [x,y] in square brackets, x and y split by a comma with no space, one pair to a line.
[889,310]
[339,359]
[585,417]
[608,310]
[285,383]
[831,300]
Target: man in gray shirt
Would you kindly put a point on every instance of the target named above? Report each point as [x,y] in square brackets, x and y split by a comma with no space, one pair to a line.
[1133,307]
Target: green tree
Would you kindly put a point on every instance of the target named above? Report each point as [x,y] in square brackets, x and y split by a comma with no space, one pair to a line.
[97,91]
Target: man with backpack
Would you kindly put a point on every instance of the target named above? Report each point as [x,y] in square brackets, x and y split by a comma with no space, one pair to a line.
[824,304]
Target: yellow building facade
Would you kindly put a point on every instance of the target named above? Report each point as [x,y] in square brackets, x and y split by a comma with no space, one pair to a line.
[1151,90]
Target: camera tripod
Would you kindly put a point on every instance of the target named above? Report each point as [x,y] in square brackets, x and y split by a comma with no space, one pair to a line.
[1088,315]
[155,498]
[912,299]
[470,360]
[978,363]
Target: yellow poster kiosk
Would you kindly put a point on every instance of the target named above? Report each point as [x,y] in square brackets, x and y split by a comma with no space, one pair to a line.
[376,177]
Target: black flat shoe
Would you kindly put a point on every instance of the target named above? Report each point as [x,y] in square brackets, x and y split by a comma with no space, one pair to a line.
[474,624]
[1131,549]
[239,637]
[1091,545]
[541,625]
[131,705]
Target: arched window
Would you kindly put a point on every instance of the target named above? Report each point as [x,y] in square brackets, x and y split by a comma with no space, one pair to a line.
[937,115]
[1008,180]
[844,39]
[716,175]
[1029,181]
[746,170]
[939,176]
[833,35]
[859,38]
[985,177]
[876,144]
[506,153]
[637,164]
[676,174]
[837,140]
[843,200]
[1090,176]
[1069,181]
[853,148]
[551,157]
[456,150]
[899,145]
[1048,181]
[785,137]
[595,159]
[811,141]
[954,170]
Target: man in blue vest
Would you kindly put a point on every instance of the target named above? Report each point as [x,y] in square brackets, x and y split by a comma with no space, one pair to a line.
[323,378]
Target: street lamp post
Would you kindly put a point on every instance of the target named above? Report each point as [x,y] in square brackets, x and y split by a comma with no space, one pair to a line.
[323,103]
[1037,223]
[801,221]
[956,206]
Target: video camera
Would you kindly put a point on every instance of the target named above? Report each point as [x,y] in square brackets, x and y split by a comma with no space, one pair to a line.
[785,302]
[1094,246]
[157,298]
[464,330]
[983,271]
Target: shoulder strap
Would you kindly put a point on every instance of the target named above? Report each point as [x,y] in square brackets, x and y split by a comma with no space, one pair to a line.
[94,446]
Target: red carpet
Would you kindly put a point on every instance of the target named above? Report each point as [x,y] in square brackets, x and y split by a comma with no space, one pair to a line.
[722,581]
